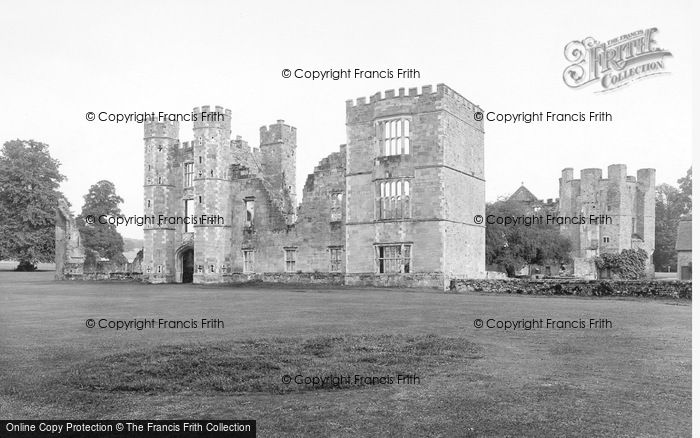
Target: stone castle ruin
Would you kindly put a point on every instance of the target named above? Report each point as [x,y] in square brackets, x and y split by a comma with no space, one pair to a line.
[394,206]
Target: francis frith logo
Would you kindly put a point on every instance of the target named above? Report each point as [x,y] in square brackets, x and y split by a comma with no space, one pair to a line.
[616,62]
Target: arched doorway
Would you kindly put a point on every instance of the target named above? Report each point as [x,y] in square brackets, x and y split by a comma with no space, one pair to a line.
[187,265]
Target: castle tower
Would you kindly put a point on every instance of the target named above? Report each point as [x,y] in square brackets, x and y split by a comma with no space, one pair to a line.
[627,204]
[415,182]
[212,194]
[278,149]
[160,143]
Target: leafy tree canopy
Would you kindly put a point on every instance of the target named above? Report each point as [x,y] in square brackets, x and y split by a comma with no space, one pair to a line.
[671,203]
[29,182]
[513,246]
[104,239]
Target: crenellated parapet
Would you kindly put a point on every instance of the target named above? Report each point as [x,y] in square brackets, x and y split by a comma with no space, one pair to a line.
[415,99]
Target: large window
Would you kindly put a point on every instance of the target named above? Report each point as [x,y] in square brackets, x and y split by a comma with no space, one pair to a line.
[336,254]
[393,259]
[248,261]
[189,174]
[290,259]
[394,136]
[394,199]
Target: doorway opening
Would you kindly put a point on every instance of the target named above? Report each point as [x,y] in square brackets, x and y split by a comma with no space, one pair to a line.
[187,265]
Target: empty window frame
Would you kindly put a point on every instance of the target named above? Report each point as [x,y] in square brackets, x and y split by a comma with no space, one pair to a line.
[336,259]
[393,259]
[248,261]
[336,206]
[249,212]
[394,200]
[394,136]
[290,259]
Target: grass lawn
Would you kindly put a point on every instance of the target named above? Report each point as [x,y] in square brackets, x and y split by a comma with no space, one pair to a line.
[633,379]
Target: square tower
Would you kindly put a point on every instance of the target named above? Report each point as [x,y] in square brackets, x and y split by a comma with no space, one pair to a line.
[415,182]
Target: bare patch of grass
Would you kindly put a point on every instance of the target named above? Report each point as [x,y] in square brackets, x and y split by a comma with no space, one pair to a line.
[259,366]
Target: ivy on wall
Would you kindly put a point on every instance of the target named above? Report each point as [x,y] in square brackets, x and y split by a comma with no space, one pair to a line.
[629,264]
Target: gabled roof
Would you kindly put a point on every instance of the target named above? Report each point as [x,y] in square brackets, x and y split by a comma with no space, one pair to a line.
[684,239]
[523,195]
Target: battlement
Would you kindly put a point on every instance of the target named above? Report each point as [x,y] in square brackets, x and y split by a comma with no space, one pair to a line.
[442,90]
[217,118]
[616,172]
[278,133]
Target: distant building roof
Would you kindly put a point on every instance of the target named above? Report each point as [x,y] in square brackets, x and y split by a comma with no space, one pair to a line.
[684,239]
[523,195]
[130,255]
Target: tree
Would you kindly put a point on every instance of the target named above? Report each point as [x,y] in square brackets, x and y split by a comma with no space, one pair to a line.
[513,246]
[101,202]
[29,181]
[671,204]
[685,185]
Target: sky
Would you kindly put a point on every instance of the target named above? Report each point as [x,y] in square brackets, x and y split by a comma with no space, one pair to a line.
[62,59]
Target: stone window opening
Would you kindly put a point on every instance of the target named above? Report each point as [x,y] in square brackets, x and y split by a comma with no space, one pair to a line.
[394,200]
[212,269]
[148,203]
[249,212]
[394,137]
[160,269]
[393,259]
[200,157]
[189,174]
[248,261]
[200,269]
[290,259]
[336,259]
[211,172]
[160,180]
[336,206]
[606,239]
[200,199]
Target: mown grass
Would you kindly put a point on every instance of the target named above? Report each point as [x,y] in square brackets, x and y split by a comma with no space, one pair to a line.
[630,380]
[260,365]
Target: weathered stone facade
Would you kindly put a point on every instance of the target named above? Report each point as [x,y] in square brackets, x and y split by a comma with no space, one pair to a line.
[394,207]
[70,254]
[629,202]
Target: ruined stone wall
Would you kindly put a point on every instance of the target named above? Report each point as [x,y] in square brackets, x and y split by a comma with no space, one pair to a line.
[313,234]
[320,224]
[278,145]
[70,254]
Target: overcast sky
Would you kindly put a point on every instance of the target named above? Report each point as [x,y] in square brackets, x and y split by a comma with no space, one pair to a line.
[63,59]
